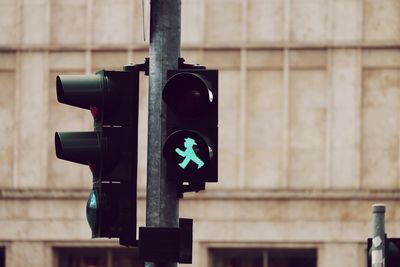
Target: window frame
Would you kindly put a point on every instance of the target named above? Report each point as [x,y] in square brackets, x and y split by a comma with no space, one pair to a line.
[207,249]
[109,248]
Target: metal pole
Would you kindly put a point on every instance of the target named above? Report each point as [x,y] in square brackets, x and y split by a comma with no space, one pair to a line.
[162,206]
[378,236]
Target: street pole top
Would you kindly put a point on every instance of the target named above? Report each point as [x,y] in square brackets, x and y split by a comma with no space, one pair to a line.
[378,208]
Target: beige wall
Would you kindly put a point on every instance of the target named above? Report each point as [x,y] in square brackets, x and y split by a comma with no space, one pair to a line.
[309,120]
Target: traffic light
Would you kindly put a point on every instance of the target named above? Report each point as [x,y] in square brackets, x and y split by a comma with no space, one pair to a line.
[110,150]
[191,113]
[392,252]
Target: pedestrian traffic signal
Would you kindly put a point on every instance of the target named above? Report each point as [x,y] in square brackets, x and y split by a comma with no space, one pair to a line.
[191,147]
[110,149]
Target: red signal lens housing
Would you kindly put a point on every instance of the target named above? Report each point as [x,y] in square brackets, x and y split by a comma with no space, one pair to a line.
[95,111]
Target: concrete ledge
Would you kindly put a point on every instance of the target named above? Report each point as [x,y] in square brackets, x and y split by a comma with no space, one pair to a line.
[206,46]
[210,194]
[298,194]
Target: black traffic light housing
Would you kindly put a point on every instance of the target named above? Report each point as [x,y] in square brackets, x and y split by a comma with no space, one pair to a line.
[392,252]
[191,113]
[110,150]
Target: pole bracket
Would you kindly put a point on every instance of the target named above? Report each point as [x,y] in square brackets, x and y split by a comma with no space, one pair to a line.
[139,67]
[183,65]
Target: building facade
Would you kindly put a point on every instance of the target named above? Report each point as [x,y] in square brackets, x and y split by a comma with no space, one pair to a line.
[309,128]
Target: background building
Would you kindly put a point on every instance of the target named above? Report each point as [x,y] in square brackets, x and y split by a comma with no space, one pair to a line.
[309,128]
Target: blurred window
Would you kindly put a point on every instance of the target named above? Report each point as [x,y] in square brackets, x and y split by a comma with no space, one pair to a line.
[2,257]
[97,257]
[264,257]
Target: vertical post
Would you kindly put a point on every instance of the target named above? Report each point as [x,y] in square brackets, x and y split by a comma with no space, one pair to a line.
[162,206]
[378,236]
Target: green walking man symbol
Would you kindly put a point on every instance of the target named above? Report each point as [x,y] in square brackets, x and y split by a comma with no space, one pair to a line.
[189,154]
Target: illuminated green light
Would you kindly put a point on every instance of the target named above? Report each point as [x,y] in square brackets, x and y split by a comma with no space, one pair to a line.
[91,210]
[189,154]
